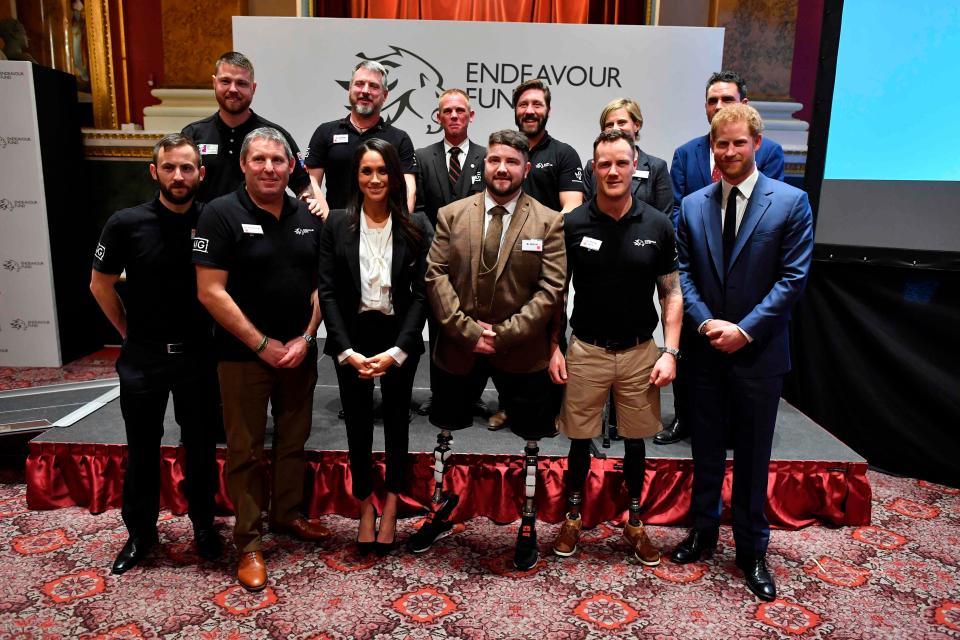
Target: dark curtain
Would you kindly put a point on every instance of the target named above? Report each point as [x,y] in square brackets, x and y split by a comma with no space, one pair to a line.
[566,11]
[876,363]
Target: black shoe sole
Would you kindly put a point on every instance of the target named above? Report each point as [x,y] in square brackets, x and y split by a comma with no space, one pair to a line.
[439,536]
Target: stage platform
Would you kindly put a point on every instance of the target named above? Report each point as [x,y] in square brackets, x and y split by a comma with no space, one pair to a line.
[814,478]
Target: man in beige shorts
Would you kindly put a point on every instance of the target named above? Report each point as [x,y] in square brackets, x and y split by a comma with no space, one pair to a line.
[618,249]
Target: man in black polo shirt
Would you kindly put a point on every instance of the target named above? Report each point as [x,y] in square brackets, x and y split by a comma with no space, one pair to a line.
[333,143]
[256,257]
[618,248]
[167,348]
[219,137]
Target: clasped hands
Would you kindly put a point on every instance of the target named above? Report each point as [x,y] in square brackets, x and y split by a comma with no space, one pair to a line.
[724,336]
[284,355]
[373,367]
[485,343]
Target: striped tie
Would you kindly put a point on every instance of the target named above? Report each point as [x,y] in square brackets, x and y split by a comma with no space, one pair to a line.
[454,171]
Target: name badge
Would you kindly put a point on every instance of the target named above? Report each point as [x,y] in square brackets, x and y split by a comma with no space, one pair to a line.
[641,173]
[208,149]
[252,228]
[340,137]
[534,244]
[591,244]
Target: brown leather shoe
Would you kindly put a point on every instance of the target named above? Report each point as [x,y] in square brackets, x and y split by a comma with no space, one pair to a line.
[497,421]
[566,543]
[643,550]
[303,528]
[252,571]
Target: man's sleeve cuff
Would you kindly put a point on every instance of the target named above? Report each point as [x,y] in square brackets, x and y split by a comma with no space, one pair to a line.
[745,334]
[346,353]
[397,354]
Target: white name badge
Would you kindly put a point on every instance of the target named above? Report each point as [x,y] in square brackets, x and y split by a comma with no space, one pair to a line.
[641,173]
[591,243]
[534,244]
[208,149]
[252,228]
[340,137]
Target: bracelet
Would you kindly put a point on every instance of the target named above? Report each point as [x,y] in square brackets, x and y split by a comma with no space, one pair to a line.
[263,344]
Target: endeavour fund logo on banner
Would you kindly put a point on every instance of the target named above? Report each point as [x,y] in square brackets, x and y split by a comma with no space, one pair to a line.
[26,325]
[13,140]
[415,84]
[15,266]
[6,204]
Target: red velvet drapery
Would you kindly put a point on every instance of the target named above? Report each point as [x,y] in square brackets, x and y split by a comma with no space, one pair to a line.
[800,492]
[565,11]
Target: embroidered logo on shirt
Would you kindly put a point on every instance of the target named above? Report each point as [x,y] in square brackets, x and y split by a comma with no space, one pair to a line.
[543,165]
[100,252]
[303,232]
[200,244]
[644,243]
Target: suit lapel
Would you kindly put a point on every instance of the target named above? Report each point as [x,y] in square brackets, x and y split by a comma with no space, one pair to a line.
[517,220]
[712,227]
[441,172]
[757,205]
[399,259]
[352,248]
[703,159]
[476,214]
[468,170]
[642,165]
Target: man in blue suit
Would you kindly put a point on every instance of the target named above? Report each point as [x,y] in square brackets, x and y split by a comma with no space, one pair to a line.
[744,246]
[692,169]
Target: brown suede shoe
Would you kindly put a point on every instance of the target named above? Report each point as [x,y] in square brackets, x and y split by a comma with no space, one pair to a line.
[497,421]
[566,543]
[643,550]
[252,571]
[303,528]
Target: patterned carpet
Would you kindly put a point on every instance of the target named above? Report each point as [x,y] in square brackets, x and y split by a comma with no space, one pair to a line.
[96,366]
[895,579]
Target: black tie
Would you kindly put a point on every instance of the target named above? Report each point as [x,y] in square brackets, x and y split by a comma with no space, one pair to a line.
[454,171]
[730,226]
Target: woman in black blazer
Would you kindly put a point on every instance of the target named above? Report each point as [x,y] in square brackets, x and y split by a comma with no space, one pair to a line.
[373,258]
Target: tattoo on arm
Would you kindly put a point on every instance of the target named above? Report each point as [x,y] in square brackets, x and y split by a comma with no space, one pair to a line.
[669,284]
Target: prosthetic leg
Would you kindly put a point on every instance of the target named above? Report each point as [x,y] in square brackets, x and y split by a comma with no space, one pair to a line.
[578,466]
[437,524]
[526,554]
[634,533]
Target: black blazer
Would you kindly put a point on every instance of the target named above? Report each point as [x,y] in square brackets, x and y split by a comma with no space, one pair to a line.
[656,189]
[434,190]
[339,283]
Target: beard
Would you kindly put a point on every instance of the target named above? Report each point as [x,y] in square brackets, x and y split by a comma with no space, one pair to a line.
[502,193]
[187,196]
[234,106]
[541,125]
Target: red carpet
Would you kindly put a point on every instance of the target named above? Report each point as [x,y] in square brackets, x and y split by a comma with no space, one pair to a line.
[898,578]
[96,366]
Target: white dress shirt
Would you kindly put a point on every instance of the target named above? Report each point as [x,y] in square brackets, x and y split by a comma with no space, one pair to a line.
[463,146]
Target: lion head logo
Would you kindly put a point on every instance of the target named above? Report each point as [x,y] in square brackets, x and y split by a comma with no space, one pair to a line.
[414,85]
[5,205]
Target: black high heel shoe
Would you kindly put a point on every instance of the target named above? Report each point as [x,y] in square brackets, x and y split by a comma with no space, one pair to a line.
[365,548]
[383,549]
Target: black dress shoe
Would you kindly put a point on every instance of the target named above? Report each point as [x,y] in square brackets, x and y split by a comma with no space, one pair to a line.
[209,545]
[674,433]
[697,543]
[135,550]
[758,577]
[424,408]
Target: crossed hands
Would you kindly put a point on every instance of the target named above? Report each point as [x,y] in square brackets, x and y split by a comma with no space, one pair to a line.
[284,356]
[724,336]
[485,343]
[373,367]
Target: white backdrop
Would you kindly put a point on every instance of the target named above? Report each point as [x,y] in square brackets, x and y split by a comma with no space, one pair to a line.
[28,321]
[302,67]
[299,62]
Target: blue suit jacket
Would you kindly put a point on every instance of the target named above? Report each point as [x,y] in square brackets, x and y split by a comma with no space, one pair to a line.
[766,275]
[690,168]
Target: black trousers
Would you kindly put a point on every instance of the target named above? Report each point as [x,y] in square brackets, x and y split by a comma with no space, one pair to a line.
[375,333]
[148,377]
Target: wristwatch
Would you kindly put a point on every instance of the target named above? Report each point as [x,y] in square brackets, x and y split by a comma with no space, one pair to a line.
[674,352]
[309,339]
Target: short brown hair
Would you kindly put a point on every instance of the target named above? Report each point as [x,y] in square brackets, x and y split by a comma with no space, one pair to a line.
[511,138]
[622,103]
[172,141]
[235,59]
[527,86]
[612,135]
[737,113]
